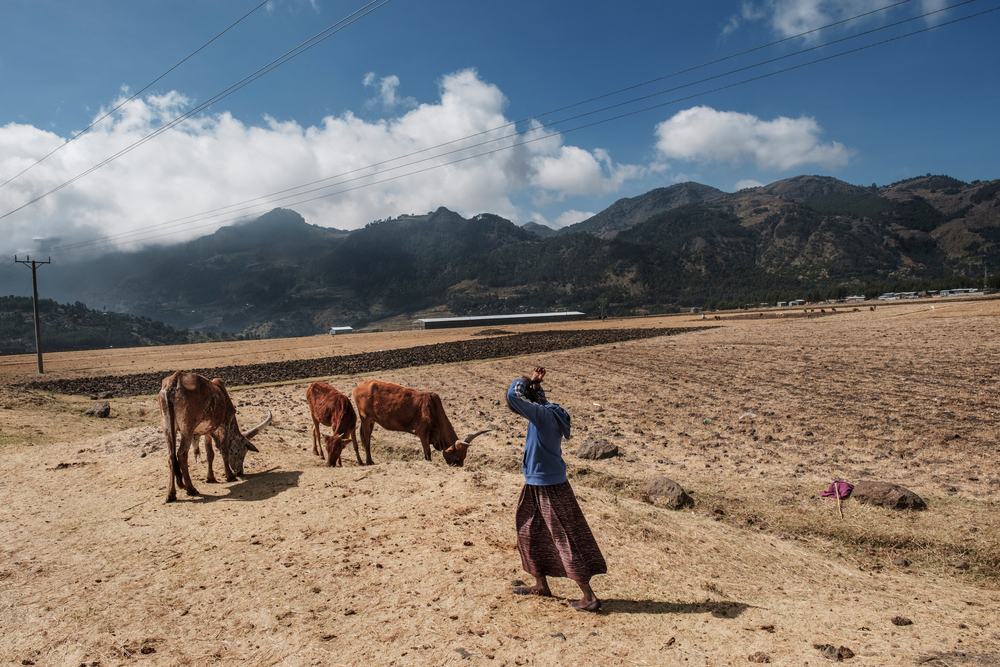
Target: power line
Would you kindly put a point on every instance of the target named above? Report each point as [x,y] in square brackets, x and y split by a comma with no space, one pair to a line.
[283,59]
[277,62]
[34,264]
[232,210]
[120,105]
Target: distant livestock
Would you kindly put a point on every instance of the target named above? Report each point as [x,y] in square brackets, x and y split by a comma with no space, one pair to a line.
[195,406]
[421,413]
[331,408]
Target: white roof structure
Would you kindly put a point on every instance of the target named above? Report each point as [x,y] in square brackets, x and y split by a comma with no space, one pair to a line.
[479,320]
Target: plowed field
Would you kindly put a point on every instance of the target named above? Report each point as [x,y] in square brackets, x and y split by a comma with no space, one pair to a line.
[410,562]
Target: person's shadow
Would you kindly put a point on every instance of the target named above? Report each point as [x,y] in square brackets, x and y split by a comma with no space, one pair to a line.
[717,608]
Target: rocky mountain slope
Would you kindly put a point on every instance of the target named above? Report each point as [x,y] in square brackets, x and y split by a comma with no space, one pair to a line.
[686,245]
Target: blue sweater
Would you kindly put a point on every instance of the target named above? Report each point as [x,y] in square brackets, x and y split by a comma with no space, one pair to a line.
[542,463]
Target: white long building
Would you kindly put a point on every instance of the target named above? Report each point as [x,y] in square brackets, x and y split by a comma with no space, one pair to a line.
[486,320]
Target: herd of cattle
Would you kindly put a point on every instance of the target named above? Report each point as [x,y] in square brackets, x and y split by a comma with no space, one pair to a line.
[193,406]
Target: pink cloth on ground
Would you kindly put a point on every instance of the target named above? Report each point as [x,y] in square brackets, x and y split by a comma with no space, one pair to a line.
[838,489]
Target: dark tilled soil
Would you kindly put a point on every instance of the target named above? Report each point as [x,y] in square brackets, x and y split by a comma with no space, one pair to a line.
[365,363]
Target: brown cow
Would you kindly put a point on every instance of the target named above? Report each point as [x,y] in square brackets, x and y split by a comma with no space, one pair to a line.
[421,413]
[193,406]
[331,408]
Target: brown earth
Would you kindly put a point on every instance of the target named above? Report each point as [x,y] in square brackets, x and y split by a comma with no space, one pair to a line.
[410,562]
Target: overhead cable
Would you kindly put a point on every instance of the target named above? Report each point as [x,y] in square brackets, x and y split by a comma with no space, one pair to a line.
[277,62]
[298,195]
[135,95]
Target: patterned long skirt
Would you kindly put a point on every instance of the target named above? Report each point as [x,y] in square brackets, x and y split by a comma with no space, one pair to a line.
[553,537]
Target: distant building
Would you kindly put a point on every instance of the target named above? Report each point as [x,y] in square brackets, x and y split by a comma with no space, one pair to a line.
[486,320]
[340,330]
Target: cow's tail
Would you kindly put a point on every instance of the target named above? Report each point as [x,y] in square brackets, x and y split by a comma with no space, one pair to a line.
[170,430]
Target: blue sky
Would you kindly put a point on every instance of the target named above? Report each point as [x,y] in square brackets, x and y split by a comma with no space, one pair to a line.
[411,76]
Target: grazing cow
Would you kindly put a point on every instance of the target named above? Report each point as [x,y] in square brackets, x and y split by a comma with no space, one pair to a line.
[421,413]
[194,406]
[331,408]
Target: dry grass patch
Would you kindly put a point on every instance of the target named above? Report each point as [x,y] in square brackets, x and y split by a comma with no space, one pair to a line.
[410,563]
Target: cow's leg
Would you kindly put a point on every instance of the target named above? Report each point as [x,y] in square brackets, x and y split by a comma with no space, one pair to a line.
[317,446]
[175,471]
[230,475]
[170,435]
[366,440]
[425,442]
[182,460]
[172,465]
[210,455]
[354,439]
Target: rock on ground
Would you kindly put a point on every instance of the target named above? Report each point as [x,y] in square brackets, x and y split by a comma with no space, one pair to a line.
[597,449]
[888,495]
[668,493]
[102,409]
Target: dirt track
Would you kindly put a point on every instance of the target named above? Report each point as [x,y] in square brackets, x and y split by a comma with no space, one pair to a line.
[494,347]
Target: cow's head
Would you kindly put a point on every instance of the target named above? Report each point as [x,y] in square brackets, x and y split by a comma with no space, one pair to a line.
[334,448]
[235,444]
[455,455]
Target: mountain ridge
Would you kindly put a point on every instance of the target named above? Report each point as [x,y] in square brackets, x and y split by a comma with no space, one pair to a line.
[630,211]
[671,248]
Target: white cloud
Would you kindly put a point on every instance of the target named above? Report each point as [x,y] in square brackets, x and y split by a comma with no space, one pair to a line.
[657,167]
[387,98]
[572,217]
[568,170]
[747,184]
[216,160]
[702,134]
[793,17]
[684,177]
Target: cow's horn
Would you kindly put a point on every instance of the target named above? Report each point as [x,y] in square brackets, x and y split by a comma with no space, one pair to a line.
[469,438]
[256,429]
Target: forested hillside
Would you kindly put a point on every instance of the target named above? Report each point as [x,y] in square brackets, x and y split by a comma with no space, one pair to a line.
[807,237]
[76,327]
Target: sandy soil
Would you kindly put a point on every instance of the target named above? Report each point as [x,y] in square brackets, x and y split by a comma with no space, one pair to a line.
[410,563]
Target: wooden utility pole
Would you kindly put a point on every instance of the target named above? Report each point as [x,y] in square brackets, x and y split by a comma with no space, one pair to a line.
[27,261]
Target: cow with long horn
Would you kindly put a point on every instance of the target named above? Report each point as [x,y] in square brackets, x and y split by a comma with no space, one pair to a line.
[421,413]
[193,406]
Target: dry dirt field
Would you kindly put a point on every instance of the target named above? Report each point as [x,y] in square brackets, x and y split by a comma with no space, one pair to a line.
[410,563]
